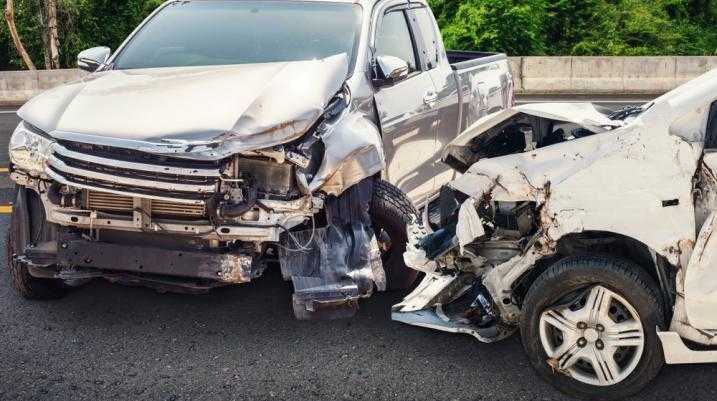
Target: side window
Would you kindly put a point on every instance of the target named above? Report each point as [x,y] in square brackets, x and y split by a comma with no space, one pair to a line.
[428,34]
[394,39]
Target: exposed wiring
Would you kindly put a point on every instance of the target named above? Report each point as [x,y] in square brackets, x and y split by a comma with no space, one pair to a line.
[299,247]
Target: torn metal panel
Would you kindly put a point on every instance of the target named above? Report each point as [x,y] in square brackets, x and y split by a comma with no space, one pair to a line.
[499,281]
[437,319]
[470,226]
[583,114]
[354,151]
[700,278]
[681,324]
[452,303]
[427,293]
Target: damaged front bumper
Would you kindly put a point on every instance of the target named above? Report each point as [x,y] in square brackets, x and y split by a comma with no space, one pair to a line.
[191,225]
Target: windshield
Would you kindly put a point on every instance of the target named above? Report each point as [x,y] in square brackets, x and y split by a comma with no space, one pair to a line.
[209,32]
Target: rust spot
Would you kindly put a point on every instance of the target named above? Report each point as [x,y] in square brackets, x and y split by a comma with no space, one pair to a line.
[554,366]
[236,269]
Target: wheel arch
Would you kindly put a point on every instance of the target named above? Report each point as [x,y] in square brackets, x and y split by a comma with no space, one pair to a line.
[610,244]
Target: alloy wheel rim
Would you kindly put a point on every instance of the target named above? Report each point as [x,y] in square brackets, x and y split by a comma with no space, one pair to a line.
[597,340]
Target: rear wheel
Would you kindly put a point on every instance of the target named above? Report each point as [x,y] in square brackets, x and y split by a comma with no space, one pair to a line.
[589,327]
[391,211]
[27,225]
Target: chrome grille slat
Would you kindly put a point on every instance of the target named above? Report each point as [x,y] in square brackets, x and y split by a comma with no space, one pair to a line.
[135,174]
[61,150]
[59,165]
[62,180]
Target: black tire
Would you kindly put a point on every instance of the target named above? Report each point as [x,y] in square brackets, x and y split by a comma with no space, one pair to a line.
[391,211]
[620,276]
[27,220]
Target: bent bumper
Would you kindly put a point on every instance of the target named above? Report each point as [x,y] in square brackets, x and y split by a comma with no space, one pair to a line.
[89,259]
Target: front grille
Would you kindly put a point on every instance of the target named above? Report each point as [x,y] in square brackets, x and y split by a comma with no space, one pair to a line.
[133,173]
[107,202]
[131,155]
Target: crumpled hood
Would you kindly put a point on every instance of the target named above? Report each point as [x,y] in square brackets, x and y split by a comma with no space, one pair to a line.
[196,112]
[584,114]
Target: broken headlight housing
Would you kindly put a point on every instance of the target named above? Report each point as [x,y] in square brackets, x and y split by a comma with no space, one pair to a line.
[29,149]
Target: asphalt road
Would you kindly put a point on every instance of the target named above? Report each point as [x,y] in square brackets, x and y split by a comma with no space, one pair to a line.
[111,342]
[121,343]
[8,122]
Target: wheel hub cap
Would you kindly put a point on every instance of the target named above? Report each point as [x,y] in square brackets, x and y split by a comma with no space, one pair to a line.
[598,340]
[591,335]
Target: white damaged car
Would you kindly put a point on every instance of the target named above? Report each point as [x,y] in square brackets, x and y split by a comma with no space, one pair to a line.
[587,231]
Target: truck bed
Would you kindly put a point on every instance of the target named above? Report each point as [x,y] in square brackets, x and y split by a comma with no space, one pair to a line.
[485,84]
[461,60]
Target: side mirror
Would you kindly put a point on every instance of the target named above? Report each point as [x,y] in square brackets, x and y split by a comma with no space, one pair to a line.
[389,70]
[92,59]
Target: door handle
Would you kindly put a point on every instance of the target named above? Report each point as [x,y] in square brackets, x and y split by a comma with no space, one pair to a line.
[430,98]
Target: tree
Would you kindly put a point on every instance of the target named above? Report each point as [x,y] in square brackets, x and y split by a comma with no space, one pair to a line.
[512,26]
[10,19]
[50,33]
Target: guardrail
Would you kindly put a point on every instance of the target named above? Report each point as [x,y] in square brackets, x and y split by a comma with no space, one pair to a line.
[533,76]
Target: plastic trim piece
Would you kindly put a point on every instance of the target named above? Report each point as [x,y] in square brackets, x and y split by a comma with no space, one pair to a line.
[676,352]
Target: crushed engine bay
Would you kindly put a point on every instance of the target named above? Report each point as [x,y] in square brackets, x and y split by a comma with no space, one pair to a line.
[544,181]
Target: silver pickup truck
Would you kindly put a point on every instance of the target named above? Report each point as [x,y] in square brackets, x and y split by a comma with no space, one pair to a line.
[225,135]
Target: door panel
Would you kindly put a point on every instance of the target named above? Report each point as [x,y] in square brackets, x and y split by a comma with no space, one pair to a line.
[409,126]
[407,112]
[447,102]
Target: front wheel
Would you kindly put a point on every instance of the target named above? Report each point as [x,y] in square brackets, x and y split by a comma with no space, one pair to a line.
[589,327]
[391,212]
[27,224]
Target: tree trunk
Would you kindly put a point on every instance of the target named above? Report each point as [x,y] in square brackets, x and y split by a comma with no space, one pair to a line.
[53,37]
[10,19]
[44,33]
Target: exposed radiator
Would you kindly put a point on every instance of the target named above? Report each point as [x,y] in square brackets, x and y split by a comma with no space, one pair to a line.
[107,202]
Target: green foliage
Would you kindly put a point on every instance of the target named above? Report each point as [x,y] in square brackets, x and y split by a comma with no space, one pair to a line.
[518,27]
[490,25]
[83,24]
[580,27]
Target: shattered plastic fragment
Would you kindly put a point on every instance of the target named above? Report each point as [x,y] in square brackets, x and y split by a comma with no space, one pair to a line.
[415,256]
[470,226]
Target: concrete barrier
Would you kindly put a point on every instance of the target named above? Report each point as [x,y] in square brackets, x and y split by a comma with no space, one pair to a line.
[606,75]
[17,87]
[583,76]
